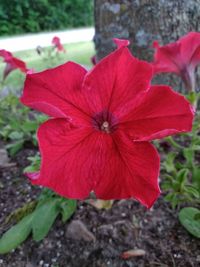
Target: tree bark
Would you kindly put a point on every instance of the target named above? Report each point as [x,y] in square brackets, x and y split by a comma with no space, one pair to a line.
[142,22]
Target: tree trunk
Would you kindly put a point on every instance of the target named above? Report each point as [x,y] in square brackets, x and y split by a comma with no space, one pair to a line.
[142,22]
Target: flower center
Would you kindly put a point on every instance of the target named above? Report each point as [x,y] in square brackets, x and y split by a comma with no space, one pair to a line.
[104,121]
[105,127]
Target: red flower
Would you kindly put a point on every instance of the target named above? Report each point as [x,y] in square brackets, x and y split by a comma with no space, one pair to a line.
[56,41]
[180,57]
[12,63]
[103,120]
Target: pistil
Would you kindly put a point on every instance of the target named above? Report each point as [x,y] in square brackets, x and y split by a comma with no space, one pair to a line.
[105,127]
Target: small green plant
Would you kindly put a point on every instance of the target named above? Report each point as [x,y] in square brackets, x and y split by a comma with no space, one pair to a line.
[181,171]
[35,164]
[18,124]
[36,217]
[39,221]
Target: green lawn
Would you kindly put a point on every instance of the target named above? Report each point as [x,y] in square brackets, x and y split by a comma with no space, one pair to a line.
[78,52]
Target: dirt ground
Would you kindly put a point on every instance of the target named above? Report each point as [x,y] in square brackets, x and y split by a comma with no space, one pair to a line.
[97,238]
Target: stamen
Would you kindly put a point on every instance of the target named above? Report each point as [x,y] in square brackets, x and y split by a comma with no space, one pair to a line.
[105,127]
[105,121]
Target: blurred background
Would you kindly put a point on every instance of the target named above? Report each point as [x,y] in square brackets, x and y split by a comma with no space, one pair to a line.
[29,16]
[28,27]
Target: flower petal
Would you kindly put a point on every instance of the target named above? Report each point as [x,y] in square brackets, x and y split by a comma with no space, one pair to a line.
[121,42]
[18,64]
[167,58]
[131,170]
[56,91]
[56,41]
[162,112]
[32,175]
[190,48]
[5,54]
[67,158]
[116,82]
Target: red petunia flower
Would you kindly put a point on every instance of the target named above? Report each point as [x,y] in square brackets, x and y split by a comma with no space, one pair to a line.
[56,41]
[180,57]
[12,63]
[103,122]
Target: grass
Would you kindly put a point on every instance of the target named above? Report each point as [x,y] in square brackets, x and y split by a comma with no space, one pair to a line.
[78,52]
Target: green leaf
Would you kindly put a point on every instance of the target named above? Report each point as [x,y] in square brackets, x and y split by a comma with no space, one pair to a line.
[16,235]
[30,168]
[41,118]
[15,135]
[189,155]
[30,126]
[192,97]
[169,162]
[45,196]
[176,186]
[196,177]
[179,165]
[182,178]
[166,185]
[192,191]
[174,201]
[15,147]
[169,197]
[196,147]
[68,207]
[35,164]
[197,216]
[34,139]
[187,219]
[43,218]
[14,123]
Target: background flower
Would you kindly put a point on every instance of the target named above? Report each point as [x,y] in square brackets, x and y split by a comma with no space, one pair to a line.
[180,57]
[12,63]
[56,41]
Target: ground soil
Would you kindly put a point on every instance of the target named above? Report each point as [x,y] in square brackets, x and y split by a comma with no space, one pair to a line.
[127,225]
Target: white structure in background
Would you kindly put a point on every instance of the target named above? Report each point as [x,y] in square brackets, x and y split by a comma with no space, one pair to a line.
[31,41]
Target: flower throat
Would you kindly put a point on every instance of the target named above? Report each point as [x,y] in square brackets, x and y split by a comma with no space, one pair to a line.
[104,121]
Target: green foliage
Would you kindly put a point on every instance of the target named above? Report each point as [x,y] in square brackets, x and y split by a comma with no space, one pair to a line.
[190,218]
[44,217]
[35,164]
[181,169]
[21,16]
[39,221]
[16,235]
[67,209]
[193,97]
[36,217]
[18,124]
